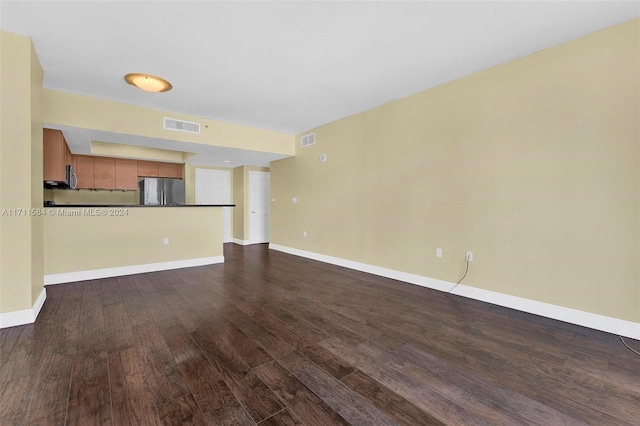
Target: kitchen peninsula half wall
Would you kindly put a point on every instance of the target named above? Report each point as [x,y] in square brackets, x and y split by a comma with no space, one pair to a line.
[90,242]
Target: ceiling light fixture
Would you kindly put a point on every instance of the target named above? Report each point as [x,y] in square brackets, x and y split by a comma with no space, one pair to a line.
[148,83]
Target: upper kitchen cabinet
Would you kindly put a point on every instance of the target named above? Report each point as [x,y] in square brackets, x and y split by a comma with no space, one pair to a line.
[126,174]
[159,169]
[56,156]
[104,172]
[170,170]
[85,172]
[147,168]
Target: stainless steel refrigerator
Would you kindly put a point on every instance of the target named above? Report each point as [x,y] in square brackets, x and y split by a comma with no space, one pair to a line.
[161,192]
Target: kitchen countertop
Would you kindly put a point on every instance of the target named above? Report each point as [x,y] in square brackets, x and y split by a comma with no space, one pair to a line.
[132,205]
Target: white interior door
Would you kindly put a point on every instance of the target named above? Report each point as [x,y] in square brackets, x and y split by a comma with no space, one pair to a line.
[214,187]
[259,207]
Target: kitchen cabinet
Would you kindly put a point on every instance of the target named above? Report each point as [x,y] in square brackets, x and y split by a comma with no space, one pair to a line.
[85,172]
[68,156]
[170,170]
[147,168]
[56,156]
[95,172]
[126,174]
[104,172]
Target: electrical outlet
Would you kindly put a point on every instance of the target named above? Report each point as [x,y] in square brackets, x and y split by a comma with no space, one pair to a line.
[166,241]
[469,256]
[438,252]
[304,234]
[294,200]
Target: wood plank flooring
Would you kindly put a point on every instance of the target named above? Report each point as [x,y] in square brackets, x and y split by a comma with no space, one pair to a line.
[273,339]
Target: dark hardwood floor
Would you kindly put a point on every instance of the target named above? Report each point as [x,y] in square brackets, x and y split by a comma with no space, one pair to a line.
[273,339]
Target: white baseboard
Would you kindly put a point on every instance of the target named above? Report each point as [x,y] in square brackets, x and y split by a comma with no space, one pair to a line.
[94,274]
[39,303]
[247,242]
[573,316]
[25,316]
[561,313]
[371,269]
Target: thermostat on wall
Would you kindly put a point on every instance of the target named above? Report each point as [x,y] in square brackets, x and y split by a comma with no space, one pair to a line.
[323,158]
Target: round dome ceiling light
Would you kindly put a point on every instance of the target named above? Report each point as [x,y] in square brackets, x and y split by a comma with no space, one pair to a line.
[148,82]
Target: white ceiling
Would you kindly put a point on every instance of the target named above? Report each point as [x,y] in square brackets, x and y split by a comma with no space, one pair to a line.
[288,66]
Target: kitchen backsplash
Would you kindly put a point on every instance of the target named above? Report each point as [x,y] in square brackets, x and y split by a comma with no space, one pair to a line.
[85,196]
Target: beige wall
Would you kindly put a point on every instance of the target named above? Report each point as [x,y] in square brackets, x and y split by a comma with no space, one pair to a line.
[21,253]
[92,113]
[138,152]
[81,243]
[533,165]
[238,200]
[37,248]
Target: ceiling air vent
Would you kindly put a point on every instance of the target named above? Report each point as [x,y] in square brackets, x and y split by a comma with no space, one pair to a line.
[181,126]
[307,140]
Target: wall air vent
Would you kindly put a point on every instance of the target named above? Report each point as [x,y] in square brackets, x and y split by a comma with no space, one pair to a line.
[307,140]
[181,126]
